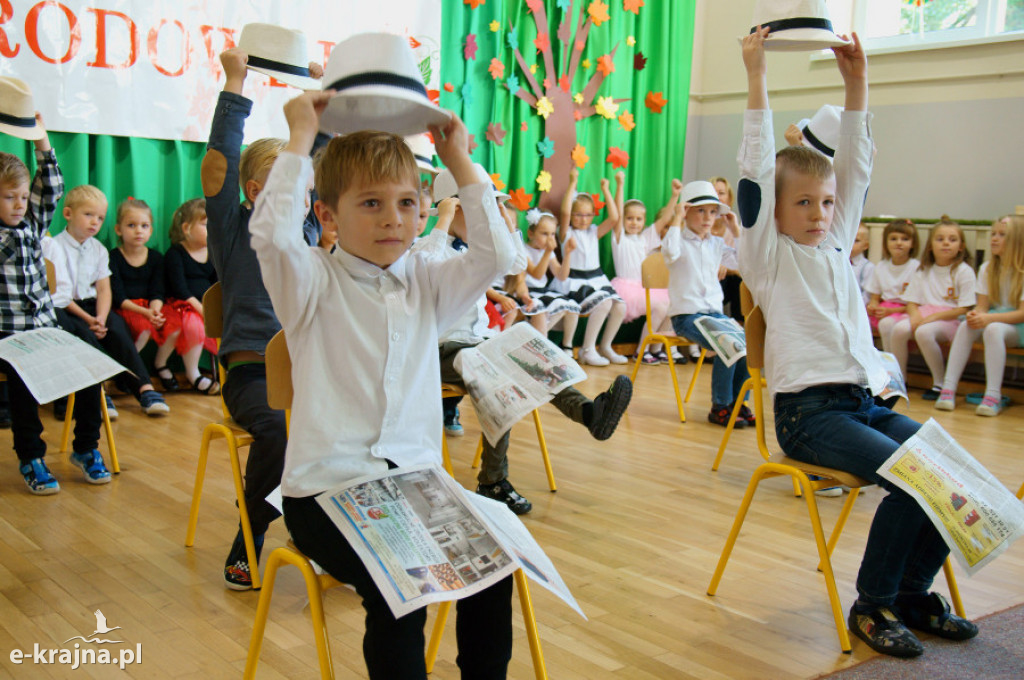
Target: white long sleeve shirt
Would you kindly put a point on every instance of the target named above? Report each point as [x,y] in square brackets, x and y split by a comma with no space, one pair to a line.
[363,340]
[693,264]
[77,267]
[818,331]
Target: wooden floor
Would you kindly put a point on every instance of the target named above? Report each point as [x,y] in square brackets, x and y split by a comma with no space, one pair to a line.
[635,528]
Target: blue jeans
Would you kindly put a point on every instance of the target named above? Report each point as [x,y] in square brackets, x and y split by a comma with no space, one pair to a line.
[726,381]
[840,426]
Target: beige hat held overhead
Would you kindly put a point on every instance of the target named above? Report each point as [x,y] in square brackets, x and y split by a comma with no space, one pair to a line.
[17,111]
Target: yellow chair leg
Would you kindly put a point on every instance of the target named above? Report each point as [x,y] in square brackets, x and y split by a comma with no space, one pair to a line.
[544,451]
[243,513]
[115,466]
[844,515]
[639,358]
[747,384]
[445,455]
[696,372]
[65,435]
[675,386]
[741,514]
[1020,492]
[954,589]
[479,455]
[436,633]
[532,634]
[197,488]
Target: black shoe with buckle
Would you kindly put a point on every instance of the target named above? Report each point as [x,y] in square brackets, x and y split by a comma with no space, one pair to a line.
[608,407]
[504,491]
[884,631]
[930,613]
[236,568]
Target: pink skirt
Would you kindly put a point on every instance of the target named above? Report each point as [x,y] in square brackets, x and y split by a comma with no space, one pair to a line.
[632,292]
[889,304]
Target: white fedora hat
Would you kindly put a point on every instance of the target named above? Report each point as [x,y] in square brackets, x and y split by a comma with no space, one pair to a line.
[445,185]
[821,132]
[17,112]
[279,52]
[423,149]
[379,87]
[701,192]
[796,25]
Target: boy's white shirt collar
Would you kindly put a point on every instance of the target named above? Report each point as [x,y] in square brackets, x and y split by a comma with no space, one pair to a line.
[362,269]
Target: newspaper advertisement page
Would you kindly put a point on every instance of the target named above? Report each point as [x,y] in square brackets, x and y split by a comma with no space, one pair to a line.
[897,385]
[977,516]
[511,374]
[417,536]
[725,336]
[516,538]
[53,363]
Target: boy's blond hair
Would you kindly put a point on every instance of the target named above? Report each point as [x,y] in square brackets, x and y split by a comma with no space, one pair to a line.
[13,171]
[367,158]
[187,213]
[800,159]
[258,158]
[84,193]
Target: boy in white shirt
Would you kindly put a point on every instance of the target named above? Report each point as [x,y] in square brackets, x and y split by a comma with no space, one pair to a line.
[362,326]
[820,363]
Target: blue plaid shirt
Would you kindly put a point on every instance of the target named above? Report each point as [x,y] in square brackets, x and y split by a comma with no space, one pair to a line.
[24,297]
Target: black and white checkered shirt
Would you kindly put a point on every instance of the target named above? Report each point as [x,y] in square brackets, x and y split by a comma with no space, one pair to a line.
[24,298]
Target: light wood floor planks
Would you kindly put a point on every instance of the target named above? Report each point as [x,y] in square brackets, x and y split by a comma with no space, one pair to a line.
[635,528]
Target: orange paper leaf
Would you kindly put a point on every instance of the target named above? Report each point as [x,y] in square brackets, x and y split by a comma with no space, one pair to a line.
[542,42]
[498,184]
[655,102]
[473,4]
[496,69]
[605,64]
[626,121]
[520,199]
[598,203]
[579,156]
[617,157]
[632,6]
[598,12]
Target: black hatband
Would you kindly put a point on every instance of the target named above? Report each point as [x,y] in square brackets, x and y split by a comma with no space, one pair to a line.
[260,62]
[796,22]
[17,121]
[378,78]
[818,144]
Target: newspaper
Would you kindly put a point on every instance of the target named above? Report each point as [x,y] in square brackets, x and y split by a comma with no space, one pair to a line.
[725,336]
[422,541]
[897,385]
[513,373]
[977,516]
[53,363]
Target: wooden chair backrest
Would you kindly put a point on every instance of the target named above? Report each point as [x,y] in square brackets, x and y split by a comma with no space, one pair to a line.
[654,271]
[51,276]
[213,311]
[279,373]
[754,328]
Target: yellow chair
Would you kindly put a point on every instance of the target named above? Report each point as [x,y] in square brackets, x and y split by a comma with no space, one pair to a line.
[279,395]
[800,472]
[654,274]
[233,434]
[1020,492]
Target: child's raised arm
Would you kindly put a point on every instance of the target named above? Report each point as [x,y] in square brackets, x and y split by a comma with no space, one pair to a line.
[854,151]
[757,69]
[609,200]
[665,215]
[566,213]
[619,205]
[48,184]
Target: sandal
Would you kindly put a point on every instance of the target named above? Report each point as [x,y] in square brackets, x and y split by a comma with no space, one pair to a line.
[170,384]
[210,386]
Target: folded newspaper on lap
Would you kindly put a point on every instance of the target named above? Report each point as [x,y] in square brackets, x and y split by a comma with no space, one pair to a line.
[423,541]
[977,516]
[53,363]
[725,336]
[513,373]
[897,385]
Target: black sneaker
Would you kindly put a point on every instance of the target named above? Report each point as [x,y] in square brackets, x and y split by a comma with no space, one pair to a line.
[884,631]
[931,614]
[746,415]
[931,394]
[608,408]
[719,415]
[236,567]
[504,491]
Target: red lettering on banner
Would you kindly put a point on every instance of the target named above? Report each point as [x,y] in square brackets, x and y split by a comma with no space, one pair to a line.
[211,52]
[101,39]
[186,47]
[6,12]
[328,46]
[32,32]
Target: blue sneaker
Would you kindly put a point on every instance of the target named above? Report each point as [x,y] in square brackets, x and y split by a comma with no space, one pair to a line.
[38,478]
[111,409]
[453,428]
[153,403]
[92,465]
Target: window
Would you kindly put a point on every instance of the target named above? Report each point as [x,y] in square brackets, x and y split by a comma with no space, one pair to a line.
[914,24]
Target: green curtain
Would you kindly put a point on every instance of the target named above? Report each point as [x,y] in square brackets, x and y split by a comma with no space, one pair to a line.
[663,32]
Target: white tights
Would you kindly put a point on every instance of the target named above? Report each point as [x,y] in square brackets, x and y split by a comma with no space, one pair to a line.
[997,337]
[611,310]
[659,318]
[928,336]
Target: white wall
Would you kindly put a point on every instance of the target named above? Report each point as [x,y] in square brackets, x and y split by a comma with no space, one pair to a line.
[948,123]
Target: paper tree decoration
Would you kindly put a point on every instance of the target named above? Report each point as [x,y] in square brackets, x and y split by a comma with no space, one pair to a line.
[553,100]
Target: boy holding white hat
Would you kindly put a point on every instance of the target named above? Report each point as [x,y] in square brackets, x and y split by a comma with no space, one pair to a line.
[694,257]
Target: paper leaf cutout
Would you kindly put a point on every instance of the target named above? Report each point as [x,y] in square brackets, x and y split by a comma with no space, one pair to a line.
[598,12]
[655,102]
[535,5]
[495,26]
[533,68]
[606,107]
[598,203]
[524,126]
[585,64]
[512,83]
[495,133]
[578,115]
[545,108]
[470,50]
[626,121]
[632,6]
[563,4]
[578,97]
[542,41]
[467,93]
[630,40]
[496,69]
[498,184]
[544,181]
[579,156]
[472,143]
[448,87]
[473,4]
[580,45]
[513,38]
[520,199]
[546,148]
[563,82]
[639,61]
[547,83]
[605,64]
[617,157]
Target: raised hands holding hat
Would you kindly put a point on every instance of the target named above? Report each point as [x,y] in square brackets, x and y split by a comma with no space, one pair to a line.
[796,25]
[18,116]
[281,53]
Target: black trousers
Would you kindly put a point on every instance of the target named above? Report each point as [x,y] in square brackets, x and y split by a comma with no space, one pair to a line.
[117,343]
[245,394]
[394,648]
